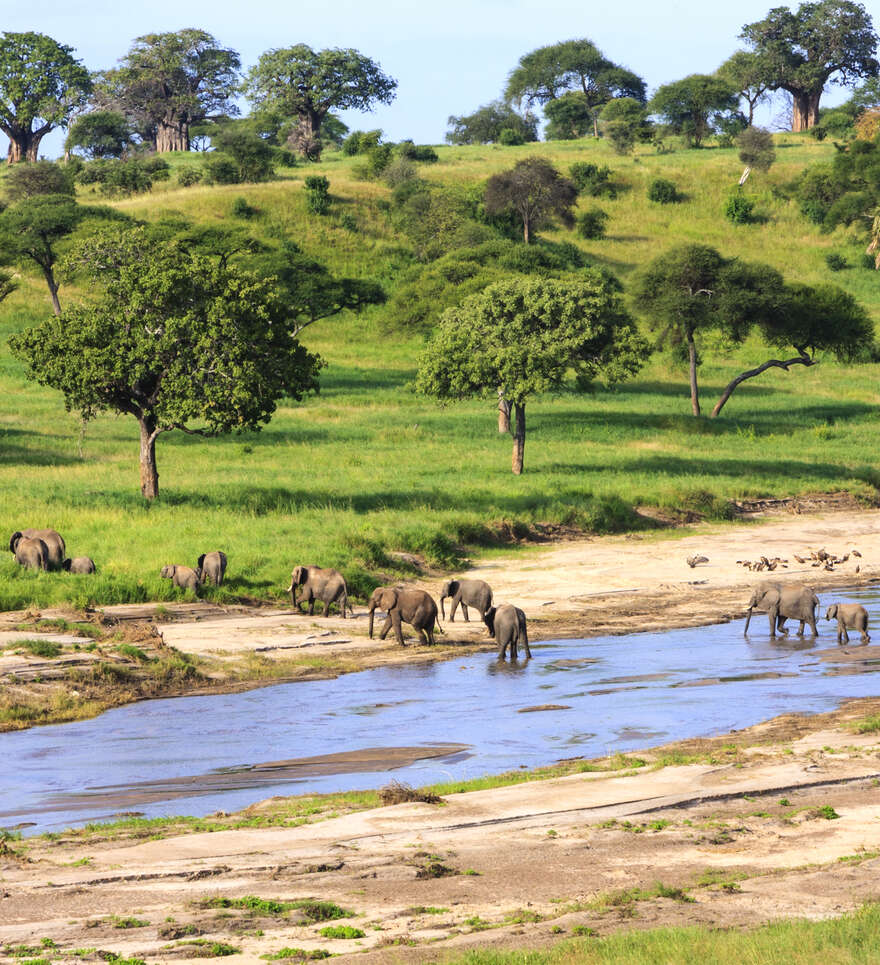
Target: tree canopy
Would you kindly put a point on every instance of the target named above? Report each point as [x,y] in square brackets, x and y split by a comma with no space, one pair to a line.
[99,134]
[524,336]
[536,191]
[485,125]
[545,74]
[744,72]
[174,339]
[799,51]
[307,84]
[168,82]
[694,106]
[41,86]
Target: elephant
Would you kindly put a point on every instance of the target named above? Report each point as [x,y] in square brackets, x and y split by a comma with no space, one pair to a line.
[79,564]
[326,585]
[475,593]
[182,576]
[404,605]
[851,615]
[53,540]
[783,601]
[30,552]
[212,565]
[507,623]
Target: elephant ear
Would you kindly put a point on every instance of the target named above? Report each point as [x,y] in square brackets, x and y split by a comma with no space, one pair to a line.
[65,564]
[201,561]
[13,542]
[388,599]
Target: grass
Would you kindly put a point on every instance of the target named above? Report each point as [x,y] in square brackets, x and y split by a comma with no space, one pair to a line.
[270,907]
[848,940]
[367,467]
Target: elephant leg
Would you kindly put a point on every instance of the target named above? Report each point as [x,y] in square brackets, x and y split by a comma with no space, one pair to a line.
[386,626]
[800,632]
[326,608]
[773,615]
[502,650]
[514,653]
[398,629]
[455,601]
[845,634]
[813,630]
[467,619]
[311,605]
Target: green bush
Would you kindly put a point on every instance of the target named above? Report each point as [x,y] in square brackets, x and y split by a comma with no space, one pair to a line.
[662,191]
[592,180]
[349,222]
[241,208]
[317,194]
[252,156]
[510,138]
[124,178]
[591,223]
[187,177]
[738,208]
[221,170]
[417,152]
[835,261]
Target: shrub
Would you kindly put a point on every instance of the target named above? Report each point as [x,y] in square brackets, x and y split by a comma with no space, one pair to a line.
[252,156]
[241,208]
[124,178]
[662,191]
[591,223]
[738,208]
[417,152]
[399,172]
[836,262]
[349,222]
[187,177]
[221,170]
[317,194]
[40,177]
[592,180]
[509,137]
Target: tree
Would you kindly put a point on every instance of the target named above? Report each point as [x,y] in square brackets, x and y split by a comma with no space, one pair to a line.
[744,72]
[547,73]
[624,121]
[100,134]
[536,191]
[168,82]
[756,150]
[485,125]
[41,86]
[307,84]
[252,156]
[569,117]
[174,339]
[694,106]
[524,336]
[799,52]
[40,177]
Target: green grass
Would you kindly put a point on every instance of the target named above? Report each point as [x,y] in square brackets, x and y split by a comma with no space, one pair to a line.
[38,648]
[367,467]
[312,909]
[848,940]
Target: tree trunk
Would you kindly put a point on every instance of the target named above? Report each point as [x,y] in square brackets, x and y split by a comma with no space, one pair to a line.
[805,110]
[172,135]
[771,363]
[519,438]
[18,150]
[526,230]
[692,366]
[53,289]
[149,472]
[503,413]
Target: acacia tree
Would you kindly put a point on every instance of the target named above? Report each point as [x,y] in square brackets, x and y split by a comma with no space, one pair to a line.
[307,84]
[745,73]
[41,86]
[485,125]
[695,105]
[99,134]
[174,339]
[800,51]
[536,191]
[168,82]
[549,72]
[526,335]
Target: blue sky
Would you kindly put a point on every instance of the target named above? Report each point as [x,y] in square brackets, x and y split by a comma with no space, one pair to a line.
[448,56]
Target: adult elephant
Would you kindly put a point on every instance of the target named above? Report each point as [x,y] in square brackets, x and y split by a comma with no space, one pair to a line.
[507,623]
[475,593]
[212,566]
[782,602]
[326,585]
[404,605]
[30,552]
[53,540]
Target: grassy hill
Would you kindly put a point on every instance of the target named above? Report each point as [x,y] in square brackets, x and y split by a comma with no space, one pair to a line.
[367,468]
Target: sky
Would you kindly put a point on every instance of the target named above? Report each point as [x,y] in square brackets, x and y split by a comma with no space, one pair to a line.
[449,57]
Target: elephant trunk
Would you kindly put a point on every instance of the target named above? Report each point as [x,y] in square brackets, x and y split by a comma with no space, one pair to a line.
[372,612]
[748,620]
[292,591]
[442,610]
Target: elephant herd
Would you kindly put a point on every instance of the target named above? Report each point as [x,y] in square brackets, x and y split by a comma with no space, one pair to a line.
[210,566]
[795,601]
[44,549]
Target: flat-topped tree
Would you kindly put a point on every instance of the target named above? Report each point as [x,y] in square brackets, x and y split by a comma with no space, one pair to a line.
[174,339]
[168,82]
[307,84]
[41,87]
[801,51]
[695,105]
[526,336]
[535,191]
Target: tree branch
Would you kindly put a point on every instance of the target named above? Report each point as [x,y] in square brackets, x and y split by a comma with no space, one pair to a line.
[802,359]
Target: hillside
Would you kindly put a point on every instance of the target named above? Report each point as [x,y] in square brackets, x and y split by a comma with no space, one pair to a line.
[367,468]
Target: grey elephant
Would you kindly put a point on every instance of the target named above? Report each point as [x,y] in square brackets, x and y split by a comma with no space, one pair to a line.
[507,623]
[782,602]
[30,552]
[475,593]
[212,566]
[183,576]
[849,615]
[79,564]
[325,585]
[54,544]
[404,605]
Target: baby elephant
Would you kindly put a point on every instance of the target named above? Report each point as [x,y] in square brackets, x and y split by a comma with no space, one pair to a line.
[851,615]
[79,564]
[507,623]
[325,585]
[30,552]
[182,576]
[404,605]
[475,593]
[212,566]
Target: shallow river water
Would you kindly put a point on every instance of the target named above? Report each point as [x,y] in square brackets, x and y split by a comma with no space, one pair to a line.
[195,755]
